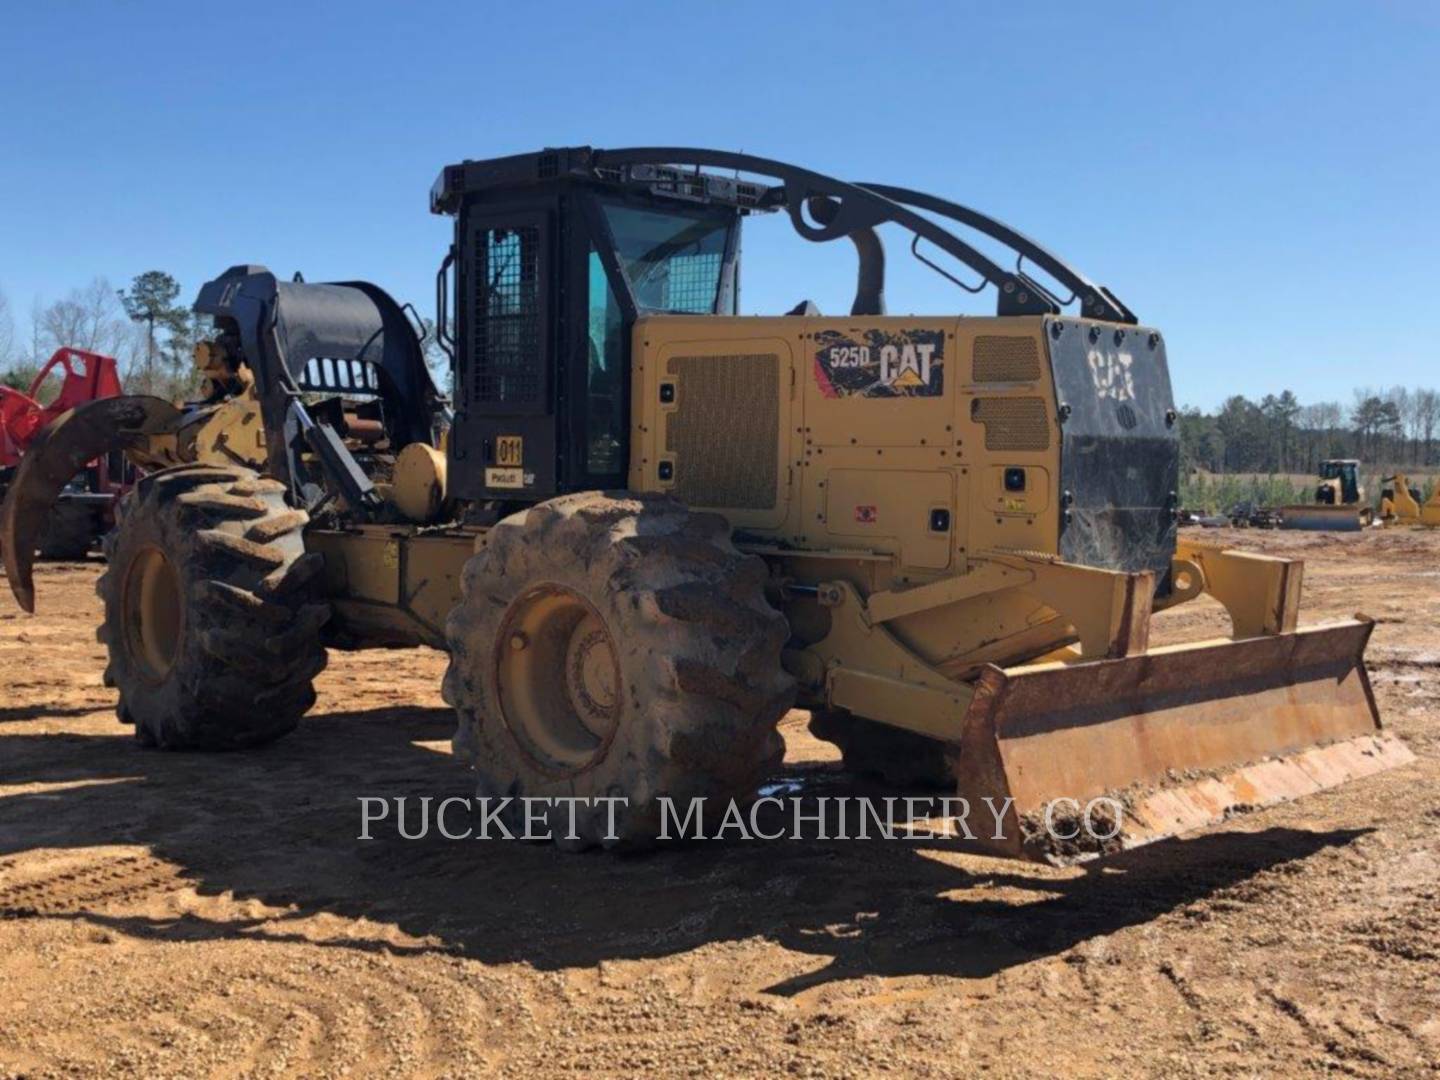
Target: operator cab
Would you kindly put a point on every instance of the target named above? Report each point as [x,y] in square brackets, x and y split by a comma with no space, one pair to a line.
[1346,471]
[552,265]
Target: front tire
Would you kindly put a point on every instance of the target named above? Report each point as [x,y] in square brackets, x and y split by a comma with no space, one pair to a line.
[615,647]
[211,615]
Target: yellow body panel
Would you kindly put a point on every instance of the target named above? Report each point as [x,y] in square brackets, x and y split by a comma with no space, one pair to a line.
[390,586]
[860,470]
[865,468]
[233,433]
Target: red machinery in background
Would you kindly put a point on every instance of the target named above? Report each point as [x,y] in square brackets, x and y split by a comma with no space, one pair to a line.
[86,508]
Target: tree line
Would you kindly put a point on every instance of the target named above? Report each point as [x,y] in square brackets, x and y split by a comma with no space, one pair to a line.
[149,333]
[1396,427]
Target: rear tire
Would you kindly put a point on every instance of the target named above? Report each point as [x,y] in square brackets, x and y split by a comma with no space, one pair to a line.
[615,647]
[868,748]
[211,614]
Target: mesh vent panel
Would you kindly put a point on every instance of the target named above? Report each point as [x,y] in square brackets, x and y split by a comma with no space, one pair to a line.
[724,434]
[505,360]
[1013,423]
[1006,359]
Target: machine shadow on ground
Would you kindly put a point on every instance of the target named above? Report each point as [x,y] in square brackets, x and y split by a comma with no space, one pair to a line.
[280,825]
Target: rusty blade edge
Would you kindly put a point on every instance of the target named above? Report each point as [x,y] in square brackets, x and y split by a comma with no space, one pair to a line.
[1168,811]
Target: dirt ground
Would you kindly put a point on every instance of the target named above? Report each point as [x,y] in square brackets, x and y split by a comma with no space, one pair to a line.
[177,914]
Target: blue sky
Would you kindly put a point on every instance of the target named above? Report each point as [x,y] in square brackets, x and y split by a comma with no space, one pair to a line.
[1257,180]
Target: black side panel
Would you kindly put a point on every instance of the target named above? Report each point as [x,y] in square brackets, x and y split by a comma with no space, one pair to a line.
[1120,449]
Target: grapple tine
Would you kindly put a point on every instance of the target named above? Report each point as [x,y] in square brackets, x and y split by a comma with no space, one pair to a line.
[59,452]
[1178,738]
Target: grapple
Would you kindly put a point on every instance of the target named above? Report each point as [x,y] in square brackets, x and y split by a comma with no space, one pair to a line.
[58,452]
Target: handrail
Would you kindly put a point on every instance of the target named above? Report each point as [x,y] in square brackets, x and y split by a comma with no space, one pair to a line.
[859,208]
[867,205]
[1096,301]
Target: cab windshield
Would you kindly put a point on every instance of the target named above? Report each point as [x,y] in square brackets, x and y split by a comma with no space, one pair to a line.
[673,259]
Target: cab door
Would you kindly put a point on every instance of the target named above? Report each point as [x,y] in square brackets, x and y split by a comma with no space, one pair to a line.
[504,439]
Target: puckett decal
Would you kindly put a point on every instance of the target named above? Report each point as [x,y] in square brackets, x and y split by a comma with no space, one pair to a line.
[880,363]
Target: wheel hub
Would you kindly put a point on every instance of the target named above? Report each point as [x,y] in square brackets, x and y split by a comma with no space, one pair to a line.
[557,677]
[590,675]
[153,613]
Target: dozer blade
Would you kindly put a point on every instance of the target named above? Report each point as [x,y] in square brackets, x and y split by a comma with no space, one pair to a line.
[1173,739]
[61,450]
[1323,518]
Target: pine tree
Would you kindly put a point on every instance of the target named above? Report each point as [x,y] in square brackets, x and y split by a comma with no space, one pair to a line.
[151,300]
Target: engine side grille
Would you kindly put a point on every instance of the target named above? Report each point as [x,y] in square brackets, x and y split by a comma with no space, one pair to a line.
[1013,423]
[723,436]
[999,358]
[505,361]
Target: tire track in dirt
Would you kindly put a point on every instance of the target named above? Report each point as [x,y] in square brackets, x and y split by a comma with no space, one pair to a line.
[120,881]
[238,1010]
[1342,1046]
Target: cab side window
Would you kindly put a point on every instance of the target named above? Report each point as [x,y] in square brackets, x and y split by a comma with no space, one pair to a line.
[604,385]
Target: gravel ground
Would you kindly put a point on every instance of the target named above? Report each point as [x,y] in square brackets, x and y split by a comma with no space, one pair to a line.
[175,914]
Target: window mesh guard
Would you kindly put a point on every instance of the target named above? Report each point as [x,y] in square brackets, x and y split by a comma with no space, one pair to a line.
[692,282]
[505,358]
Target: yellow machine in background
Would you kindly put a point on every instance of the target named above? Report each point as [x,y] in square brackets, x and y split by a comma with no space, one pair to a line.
[1400,504]
[652,525]
[1339,504]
